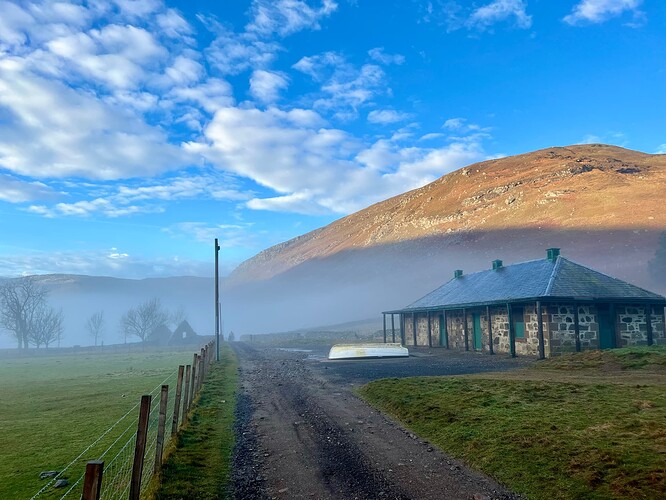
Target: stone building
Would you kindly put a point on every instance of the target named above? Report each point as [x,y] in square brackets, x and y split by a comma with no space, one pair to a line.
[541,307]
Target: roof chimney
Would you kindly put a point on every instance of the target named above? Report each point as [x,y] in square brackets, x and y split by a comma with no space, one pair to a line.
[457,273]
[552,253]
[497,264]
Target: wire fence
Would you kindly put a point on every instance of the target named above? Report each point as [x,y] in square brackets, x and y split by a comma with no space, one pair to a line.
[127,467]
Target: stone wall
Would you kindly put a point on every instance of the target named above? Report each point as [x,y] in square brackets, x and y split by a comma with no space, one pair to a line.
[500,320]
[454,320]
[530,344]
[632,324]
[562,330]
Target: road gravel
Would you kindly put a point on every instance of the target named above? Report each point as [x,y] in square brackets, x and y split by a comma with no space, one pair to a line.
[302,433]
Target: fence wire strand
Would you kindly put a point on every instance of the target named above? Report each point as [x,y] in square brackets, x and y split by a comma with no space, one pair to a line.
[118,471]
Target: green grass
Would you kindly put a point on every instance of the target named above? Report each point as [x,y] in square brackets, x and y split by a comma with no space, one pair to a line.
[627,358]
[200,465]
[544,438]
[53,407]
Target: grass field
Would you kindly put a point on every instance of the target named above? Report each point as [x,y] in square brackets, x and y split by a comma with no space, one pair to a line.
[590,425]
[199,465]
[53,407]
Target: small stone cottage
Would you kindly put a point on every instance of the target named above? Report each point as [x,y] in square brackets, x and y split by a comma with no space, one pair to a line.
[541,307]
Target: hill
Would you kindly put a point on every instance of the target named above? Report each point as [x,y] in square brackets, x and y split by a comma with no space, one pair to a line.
[601,204]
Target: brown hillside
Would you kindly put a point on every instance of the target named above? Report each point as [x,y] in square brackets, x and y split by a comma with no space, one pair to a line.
[606,190]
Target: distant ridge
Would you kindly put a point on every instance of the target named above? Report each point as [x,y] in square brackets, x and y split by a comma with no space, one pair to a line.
[576,187]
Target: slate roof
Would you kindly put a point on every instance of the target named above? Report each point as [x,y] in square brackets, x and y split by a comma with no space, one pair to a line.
[544,279]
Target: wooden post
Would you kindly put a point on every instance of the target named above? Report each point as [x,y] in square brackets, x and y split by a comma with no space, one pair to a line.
[648,321]
[186,395]
[384,319]
[403,335]
[542,350]
[393,327]
[140,448]
[161,424]
[176,404]
[576,327]
[465,329]
[446,329]
[217,302]
[193,377]
[414,327]
[512,332]
[489,319]
[92,484]
[429,330]
[202,367]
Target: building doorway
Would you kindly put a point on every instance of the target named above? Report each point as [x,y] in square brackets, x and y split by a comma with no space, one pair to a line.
[478,339]
[606,328]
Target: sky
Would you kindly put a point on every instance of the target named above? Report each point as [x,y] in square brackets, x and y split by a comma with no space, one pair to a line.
[133,133]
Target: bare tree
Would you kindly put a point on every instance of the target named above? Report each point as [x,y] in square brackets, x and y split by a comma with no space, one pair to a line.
[45,327]
[178,316]
[142,320]
[20,299]
[95,325]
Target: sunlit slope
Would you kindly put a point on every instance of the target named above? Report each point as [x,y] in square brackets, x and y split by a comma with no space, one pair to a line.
[583,189]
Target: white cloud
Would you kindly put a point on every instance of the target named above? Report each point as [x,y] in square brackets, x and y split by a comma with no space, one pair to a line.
[265,86]
[146,197]
[14,190]
[661,150]
[285,17]
[101,262]
[378,54]
[386,116]
[318,170]
[57,131]
[114,55]
[599,11]
[229,235]
[500,10]
[344,87]
[232,54]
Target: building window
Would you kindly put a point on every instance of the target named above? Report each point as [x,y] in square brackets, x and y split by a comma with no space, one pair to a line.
[518,317]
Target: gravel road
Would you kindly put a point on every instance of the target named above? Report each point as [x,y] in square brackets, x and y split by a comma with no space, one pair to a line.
[303,434]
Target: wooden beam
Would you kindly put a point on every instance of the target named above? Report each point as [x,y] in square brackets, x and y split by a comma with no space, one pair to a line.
[393,327]
[576,327]
[429,330]
[542,350]
[490,331]
[648,321]
[403,340]
[446,329]
[384,317]
[512,332]
[465,329]
[414,327]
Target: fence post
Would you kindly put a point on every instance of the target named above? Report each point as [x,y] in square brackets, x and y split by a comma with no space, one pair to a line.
[195,373]
[161,423]
[176,404]
[92,484]
[202,366]
[186,396]
[140,448]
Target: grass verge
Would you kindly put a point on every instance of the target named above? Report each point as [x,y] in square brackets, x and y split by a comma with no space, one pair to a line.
[199,464]
[53,407]
[547,437]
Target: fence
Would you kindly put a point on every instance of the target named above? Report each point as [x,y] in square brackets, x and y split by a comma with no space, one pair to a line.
[130,451]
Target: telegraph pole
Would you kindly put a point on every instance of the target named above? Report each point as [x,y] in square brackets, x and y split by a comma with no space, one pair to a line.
[217,303]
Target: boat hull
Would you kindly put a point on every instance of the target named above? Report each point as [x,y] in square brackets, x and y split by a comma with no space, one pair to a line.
[361,351]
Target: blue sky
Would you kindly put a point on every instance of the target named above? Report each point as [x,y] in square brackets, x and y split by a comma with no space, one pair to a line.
[132,133]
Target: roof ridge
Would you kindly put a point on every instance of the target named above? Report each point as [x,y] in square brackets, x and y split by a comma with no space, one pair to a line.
[551,280]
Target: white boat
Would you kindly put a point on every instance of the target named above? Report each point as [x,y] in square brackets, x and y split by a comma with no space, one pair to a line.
[356,351]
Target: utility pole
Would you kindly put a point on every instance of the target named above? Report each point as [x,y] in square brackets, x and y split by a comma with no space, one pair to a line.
[217,303]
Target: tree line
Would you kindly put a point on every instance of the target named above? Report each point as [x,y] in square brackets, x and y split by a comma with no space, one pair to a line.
[26,315]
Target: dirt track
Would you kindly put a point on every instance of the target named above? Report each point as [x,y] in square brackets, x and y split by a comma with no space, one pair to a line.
[303,434]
